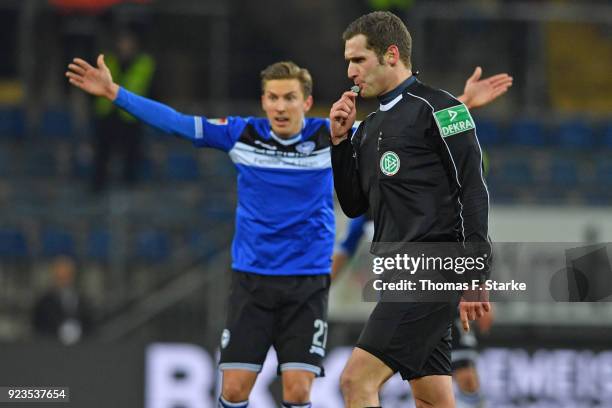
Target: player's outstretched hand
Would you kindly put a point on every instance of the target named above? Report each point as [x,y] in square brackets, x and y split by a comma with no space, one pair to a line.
[473,310]
[479,92]
[96,81]
[342,117]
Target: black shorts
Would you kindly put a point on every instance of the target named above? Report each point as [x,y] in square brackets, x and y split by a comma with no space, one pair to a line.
[287,312]
[411,338]
[464,344]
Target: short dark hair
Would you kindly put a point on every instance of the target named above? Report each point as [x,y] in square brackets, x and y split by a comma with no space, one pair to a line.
[382,29]
[287,70]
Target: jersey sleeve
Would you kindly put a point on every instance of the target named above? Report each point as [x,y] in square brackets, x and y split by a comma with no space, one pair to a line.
[457,130]
[353,129]
[354,234]
[220,134]
[346,177]
[200,131]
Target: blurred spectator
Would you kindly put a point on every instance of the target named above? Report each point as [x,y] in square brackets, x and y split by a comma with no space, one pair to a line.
[117,131]
[62,312]
[391,5]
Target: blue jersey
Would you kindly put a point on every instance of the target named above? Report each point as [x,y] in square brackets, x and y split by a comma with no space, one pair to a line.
[355,232]
[285,217]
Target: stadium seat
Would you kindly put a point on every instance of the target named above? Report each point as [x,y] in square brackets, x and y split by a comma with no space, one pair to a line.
[499,191]
[56,123]
[516,173]
[152,134]
[5,162]
[12,122]
[13,244]
[527,132]
[604,173]
[547,195]
[564,173]
[488,133]
[55,242]
[145,169]
[606,140]
[152,246]
[82,166]
[217,166]
[42,163]
[98,245]
[200,245]
[597,198]
[182,167]
[217,208]
[575,134]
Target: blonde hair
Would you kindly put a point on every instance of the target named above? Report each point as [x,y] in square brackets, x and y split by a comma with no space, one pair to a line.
[287,70]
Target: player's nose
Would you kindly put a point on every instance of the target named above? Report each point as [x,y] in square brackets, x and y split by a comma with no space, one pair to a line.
[280,106]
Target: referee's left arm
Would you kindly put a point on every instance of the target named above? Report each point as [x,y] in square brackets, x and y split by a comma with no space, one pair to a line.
[466,157]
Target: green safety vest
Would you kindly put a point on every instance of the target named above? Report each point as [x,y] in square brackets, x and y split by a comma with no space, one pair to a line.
[389,4]
[137,78]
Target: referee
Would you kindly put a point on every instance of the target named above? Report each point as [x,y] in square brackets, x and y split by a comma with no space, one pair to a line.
[416,165]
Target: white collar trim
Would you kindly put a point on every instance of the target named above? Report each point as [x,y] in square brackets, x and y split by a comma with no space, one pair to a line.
[286,142]
[291,140]
[391,104]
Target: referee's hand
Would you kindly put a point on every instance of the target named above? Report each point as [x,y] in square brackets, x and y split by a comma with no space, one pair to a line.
[342,117]
[470,310]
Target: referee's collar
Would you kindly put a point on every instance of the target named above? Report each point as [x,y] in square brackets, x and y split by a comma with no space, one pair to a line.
[391,95]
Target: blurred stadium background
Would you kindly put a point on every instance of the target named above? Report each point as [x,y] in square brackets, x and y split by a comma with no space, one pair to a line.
[152,258]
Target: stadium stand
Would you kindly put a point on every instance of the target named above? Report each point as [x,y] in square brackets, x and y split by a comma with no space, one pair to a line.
[56,123]
[152,246]
[13,245]
[12,123]
[57,241]
[182,167]
[527,132]
[575,134]
[98,245]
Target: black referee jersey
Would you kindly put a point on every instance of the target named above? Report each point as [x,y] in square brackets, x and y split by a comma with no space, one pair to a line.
[416,165]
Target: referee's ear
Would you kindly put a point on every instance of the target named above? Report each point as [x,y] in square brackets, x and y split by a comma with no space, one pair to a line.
[392,56]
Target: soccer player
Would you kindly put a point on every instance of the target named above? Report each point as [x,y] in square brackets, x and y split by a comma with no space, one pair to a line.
[416,166]
[464,358]
[284,233]
[347,247]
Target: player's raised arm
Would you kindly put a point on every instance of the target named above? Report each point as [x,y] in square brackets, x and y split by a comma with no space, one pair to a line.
[479,92]
[98,81]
